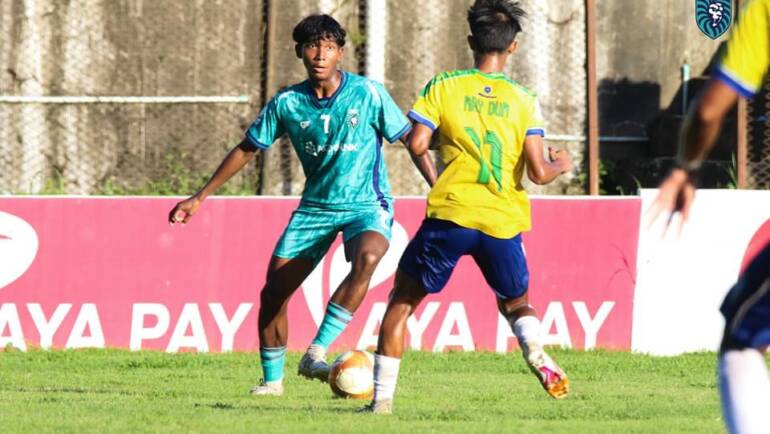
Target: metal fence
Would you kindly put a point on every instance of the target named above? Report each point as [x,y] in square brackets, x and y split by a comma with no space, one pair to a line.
[758,161]
[99,96]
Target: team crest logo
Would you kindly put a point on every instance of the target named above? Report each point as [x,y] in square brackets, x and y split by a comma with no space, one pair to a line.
[352,118]
[311,148]
[713,16]
[304,124]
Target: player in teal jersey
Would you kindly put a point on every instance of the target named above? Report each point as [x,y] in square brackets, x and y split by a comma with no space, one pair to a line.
[336,121]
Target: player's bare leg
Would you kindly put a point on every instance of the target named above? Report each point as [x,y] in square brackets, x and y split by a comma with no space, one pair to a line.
[284,276]
[525,325]
[364,251]
[406,296]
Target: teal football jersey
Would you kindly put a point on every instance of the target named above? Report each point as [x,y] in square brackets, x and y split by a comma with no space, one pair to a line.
[338,140]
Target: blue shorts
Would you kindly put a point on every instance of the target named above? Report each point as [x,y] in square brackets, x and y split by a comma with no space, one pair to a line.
[432,255]
[311,231]
[747,306]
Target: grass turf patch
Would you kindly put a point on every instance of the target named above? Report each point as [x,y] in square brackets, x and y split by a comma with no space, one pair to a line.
[121,391]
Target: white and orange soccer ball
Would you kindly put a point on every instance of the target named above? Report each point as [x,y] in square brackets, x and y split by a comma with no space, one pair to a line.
[352,375]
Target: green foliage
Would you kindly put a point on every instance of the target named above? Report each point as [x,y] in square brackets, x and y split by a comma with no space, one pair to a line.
[173,178]
[121,391]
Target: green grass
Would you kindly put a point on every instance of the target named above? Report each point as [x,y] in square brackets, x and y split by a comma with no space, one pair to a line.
[118,391]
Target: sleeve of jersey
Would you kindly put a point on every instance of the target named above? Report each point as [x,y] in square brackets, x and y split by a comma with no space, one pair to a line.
[536,124]
[426,109]
[266,128]
[746,59]
[391,122]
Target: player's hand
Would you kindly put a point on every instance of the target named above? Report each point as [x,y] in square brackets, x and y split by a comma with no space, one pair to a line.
[676,195]
[561,157]
[184,210]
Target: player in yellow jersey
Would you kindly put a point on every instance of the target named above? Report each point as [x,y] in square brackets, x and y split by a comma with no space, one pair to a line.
[743,376]
[489,130]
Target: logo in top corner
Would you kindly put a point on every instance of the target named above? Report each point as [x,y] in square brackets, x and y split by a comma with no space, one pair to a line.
[713,16]
[352,118]
[18,247]
[487,93]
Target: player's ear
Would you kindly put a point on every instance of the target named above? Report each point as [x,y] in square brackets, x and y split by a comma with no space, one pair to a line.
[512,48]
[298,50]
[471,43]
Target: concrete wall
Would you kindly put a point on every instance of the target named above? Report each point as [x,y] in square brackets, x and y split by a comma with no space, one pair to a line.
[242,47]
[125,47]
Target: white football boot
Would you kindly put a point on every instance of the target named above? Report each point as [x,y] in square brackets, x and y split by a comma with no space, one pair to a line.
[383,406]
[313,364]
[274,388]
[551,377]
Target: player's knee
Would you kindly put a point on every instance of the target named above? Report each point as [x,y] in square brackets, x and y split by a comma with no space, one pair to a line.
[514,307]
[368,260]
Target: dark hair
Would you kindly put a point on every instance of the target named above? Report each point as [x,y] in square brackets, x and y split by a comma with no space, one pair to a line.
[494,24]
[318,27]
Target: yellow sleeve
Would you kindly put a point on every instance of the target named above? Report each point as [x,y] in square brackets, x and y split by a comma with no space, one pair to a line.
[427,108]
[746,59]
[536,124]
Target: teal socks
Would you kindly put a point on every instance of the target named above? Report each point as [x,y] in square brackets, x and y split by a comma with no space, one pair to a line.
[333,324]
[272,360]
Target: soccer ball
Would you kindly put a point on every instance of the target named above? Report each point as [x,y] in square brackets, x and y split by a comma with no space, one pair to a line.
[352,375]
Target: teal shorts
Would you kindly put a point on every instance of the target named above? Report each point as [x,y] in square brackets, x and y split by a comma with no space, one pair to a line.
[311,231]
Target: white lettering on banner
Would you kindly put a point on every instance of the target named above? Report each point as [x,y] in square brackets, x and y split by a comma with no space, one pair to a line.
[455,316]
[228,328]
[47,328]
[504,333]
[417,327]
[9,318]
[18,247]
[87,317]
[189,318]
[554,318]
[139,332]
[369,333]
[591,327]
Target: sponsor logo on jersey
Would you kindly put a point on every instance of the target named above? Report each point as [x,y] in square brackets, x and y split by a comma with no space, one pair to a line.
[304,124]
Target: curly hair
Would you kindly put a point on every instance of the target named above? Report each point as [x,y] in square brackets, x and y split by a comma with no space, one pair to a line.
[318,27]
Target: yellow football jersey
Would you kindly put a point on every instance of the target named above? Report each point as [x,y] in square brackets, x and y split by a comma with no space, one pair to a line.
[482,121]
[746,60]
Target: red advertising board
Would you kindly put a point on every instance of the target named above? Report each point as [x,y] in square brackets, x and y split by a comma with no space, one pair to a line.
[110,272]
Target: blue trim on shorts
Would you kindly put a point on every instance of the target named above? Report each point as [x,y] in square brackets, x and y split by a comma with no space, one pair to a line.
[725,77]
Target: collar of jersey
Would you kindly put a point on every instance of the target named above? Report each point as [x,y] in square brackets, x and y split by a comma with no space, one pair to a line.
[327,102]
[489,75]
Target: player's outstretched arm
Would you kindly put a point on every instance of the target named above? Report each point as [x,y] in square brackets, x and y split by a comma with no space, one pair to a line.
[418,142]
[233,162]
[541,170]
[699,132]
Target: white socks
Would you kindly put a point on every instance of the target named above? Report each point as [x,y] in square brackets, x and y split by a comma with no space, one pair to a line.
[527,331]
[744,386]
[385,377]
[316,352]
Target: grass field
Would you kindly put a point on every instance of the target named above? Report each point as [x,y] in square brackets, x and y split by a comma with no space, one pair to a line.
[118,391]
